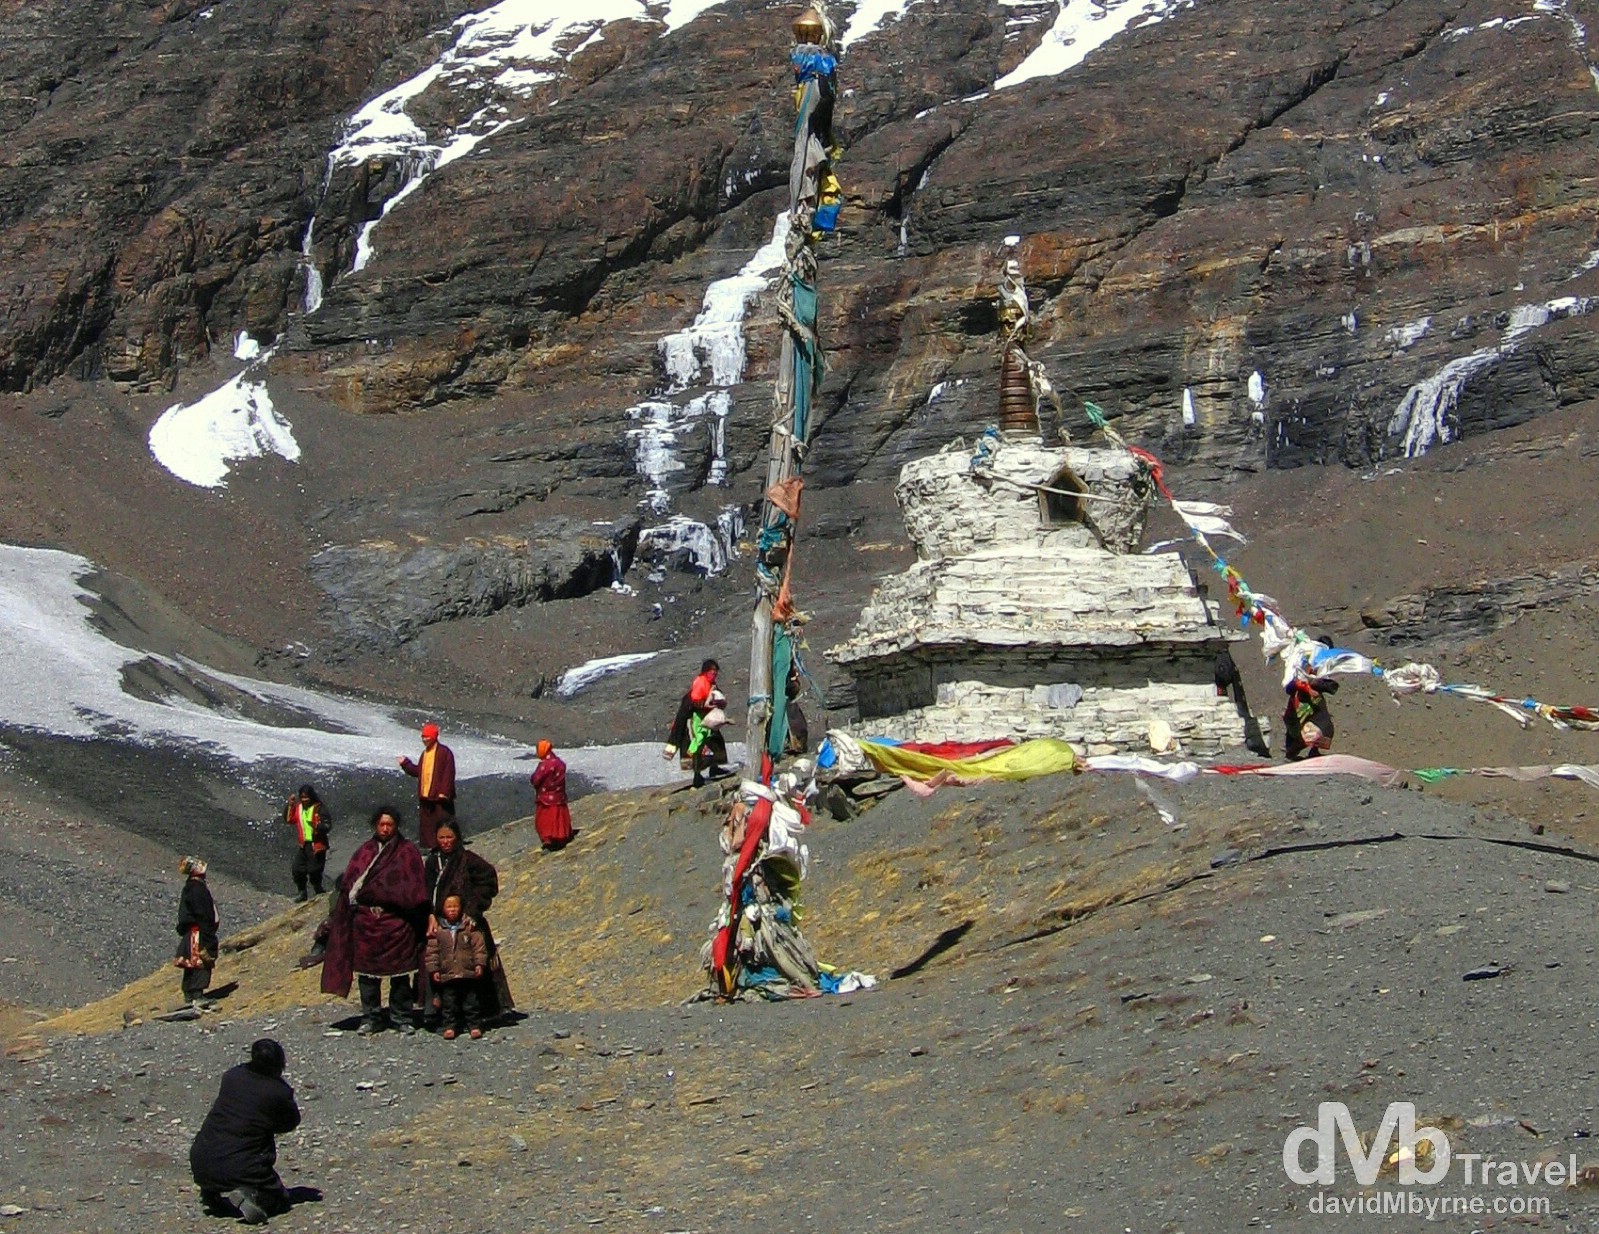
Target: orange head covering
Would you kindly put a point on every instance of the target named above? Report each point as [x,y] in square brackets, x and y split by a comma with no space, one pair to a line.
[543,749]
[430,732]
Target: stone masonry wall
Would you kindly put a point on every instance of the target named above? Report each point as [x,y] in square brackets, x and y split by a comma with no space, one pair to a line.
[950,510]
[1104,721]
[1032,597]
[904,683]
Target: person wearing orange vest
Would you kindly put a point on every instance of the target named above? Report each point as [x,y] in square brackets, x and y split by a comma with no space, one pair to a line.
[309,818]
[435,786]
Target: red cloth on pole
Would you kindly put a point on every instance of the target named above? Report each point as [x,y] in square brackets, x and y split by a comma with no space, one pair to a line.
[755,828]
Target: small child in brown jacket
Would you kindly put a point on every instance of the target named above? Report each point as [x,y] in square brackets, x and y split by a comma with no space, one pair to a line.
[456,955]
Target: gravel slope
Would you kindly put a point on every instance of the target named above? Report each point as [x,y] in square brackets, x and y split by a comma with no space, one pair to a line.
[1120,1038]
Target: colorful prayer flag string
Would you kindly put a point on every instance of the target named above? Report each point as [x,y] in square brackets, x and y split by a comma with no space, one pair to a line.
[1304,657]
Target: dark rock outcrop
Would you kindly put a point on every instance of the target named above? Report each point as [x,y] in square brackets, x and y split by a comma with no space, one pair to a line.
[1481,608]
[384,593]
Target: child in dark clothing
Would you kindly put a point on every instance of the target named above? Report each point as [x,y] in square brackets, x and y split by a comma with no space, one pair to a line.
[456,955]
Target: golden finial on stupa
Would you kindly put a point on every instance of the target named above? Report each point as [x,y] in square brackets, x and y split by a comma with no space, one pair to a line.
[811,27]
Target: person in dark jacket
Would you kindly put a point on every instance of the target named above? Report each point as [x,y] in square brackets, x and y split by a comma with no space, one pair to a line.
[701,746]
[309,818]
[455,961]
[1307,722]
[234,1155]
[798,740]
[453,869]
[197,930]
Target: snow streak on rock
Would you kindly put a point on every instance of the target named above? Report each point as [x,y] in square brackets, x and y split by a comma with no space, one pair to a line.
[716,338]
[682,543]
[1084,26]
[867,17]
[1426,416]
[1579,32]
[1408,335]
[503,52]
[710,351]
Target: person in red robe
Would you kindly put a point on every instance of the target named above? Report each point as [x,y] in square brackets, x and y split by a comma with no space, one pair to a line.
[435,785]
[378,925]
[553,819]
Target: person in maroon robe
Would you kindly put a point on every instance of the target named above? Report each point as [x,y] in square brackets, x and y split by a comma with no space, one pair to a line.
[434,773]
[553,819]
[378,925]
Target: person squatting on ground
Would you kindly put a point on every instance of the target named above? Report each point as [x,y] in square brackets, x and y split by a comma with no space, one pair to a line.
[377,925]
[696,729]
[455,961]
[309,818]
[453,869]
[552,817]
[234,1154]
[435,784]
[197,930]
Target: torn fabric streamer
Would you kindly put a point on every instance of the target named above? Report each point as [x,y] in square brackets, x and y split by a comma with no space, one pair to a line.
[1207,518]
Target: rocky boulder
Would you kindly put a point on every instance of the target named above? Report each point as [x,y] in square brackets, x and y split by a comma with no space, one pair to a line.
[382,594]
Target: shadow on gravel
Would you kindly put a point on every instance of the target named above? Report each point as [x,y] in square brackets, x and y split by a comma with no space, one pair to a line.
[945,940]
[509,1020]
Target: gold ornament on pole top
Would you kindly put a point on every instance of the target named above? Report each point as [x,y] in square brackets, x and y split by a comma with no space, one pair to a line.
[811,27]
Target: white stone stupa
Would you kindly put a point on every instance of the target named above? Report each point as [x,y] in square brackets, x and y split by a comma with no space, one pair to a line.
[1030,612]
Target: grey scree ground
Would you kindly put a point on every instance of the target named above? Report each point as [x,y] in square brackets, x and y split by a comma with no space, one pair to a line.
[1108,1042]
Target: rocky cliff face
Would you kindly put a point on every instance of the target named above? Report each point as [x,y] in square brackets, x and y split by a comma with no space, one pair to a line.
[1349,229]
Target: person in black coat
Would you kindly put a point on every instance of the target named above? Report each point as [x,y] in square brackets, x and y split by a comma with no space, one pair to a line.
[234,1154]
[197,930]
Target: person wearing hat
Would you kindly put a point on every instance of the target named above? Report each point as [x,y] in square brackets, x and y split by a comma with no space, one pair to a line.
[197,930]
[552,818]
[234,1155]
[435,785]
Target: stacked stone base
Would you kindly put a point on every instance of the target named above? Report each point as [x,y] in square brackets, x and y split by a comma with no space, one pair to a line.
[1103,721]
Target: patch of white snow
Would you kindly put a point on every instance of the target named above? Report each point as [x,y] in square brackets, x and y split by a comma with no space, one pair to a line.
[1406,336]
[587,673]
[197,441]
[1082,27]
[867,18]
[67,680]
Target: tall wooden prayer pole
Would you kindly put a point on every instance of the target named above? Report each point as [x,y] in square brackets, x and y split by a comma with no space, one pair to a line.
[814,197]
